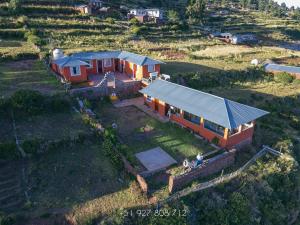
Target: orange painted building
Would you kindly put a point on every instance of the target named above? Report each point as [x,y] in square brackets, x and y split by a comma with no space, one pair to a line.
[222,121]
[135,66]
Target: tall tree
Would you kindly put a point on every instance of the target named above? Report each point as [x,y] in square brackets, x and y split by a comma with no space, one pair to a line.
[195,11]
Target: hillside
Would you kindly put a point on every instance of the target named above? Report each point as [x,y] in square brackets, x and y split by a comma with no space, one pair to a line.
[75,180]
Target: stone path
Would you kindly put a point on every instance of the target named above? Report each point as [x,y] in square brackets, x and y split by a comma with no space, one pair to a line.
[139,103]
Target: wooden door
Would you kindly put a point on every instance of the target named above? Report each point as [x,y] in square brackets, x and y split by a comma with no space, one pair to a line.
[156,104]
[99,66]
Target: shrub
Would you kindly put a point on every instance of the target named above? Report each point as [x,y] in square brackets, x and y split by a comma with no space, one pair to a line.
[135,30]
[58,104]
[8,151]
[215,141]
[284,78]
[134,21]
[110,20]
[31,146]
[28,101]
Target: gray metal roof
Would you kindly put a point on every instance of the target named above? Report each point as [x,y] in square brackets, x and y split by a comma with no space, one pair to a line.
[96,55]
[128,56]
[138,59]
[282,68]
[69,61]
[218,110]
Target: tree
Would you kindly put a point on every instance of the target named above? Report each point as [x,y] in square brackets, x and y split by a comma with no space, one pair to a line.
[173,16]
[14,5]
[195,11]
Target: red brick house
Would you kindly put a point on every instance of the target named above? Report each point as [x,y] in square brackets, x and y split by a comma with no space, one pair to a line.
[228,123]
[78,67]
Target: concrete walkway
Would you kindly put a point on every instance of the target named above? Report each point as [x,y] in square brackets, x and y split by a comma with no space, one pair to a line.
[139,103]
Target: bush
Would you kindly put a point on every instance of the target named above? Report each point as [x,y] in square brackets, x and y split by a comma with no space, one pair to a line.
[134,21]
[284,78]
[28,101]
[6,220]
[110,20]
[215,141]
[8,151]
[58,104]
[31,146]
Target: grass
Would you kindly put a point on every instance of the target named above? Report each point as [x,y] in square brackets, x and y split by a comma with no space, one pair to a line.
[140,132]
[26,74]
[51,126]
[65,178]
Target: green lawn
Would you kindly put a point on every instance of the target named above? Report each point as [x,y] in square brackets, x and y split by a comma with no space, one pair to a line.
[141,132]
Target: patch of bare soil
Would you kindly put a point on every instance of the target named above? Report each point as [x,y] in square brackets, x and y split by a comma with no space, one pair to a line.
[22,64]
[173,54]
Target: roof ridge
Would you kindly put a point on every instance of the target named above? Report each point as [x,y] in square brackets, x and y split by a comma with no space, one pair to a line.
[227,112]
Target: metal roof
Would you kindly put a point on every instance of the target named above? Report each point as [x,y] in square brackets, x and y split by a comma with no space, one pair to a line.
[96,55]
[124,55]
[138,59]
[282,68]
[218,110]
[69,61]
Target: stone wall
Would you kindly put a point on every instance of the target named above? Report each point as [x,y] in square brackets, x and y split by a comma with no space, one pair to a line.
[212,166]
[130,169]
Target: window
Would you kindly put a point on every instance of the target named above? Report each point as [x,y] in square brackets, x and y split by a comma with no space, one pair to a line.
[175,111]
[75,71]
[151,68]
[149,98]
[107,62]
[214,127]
[192,118]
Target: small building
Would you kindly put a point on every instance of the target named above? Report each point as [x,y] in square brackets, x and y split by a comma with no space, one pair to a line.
[276,68]
[145,15]
[96,4]
[217,119]
[84,9]
[77,67]
[244,39]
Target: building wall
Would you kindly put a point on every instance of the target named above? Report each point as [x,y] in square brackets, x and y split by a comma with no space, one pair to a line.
[225,141]
[92,70]
[66,72]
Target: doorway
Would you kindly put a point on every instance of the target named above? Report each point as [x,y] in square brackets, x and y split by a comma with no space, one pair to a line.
[156,102]
[99,66]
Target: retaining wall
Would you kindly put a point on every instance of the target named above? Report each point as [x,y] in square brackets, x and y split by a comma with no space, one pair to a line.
[213,165]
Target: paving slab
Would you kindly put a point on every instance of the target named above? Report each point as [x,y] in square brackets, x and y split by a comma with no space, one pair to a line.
[155,159]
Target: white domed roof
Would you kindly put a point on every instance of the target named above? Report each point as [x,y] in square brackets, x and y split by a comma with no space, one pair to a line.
[58,53]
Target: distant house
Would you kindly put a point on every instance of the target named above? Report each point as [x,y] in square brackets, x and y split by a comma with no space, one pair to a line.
[96,3]
[144,15]
[84,9]
[276,68]
[228,123]
[77,67]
